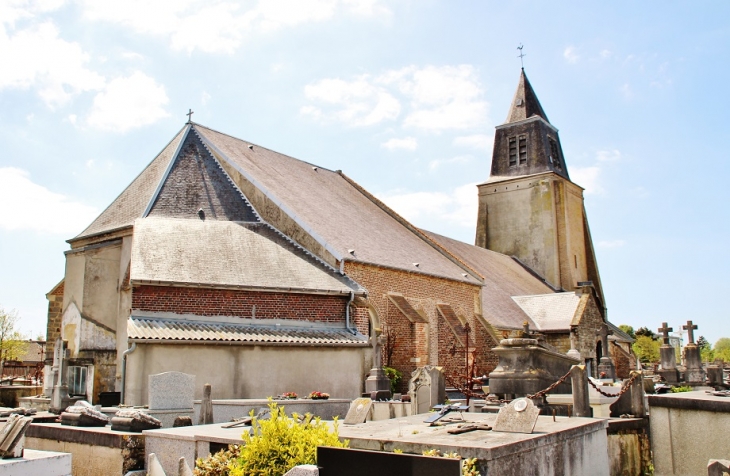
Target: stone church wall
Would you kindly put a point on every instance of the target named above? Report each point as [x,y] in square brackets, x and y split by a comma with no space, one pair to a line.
[55,312]
[413,347]
[229,302]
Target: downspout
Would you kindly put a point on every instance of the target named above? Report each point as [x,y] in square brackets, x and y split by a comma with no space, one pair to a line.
[347,314]
[124,368]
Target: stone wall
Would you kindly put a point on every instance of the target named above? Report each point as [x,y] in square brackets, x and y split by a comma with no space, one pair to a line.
[55,313]
[419,344]
[229,302]
[588,326]
[622,360]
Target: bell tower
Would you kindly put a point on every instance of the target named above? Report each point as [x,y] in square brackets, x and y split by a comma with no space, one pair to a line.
[529,208]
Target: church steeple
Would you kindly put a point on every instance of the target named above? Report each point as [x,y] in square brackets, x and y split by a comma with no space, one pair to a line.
[526,143]
[525,103]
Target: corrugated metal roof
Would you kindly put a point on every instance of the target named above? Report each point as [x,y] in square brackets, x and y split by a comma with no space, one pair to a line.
[550,312]
[184,330]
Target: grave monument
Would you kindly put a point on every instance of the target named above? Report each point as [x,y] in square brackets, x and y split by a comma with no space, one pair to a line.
[60,398]
[427,387]
[694,374]
[606,368]
[668,359]
[377,382]
[171,394]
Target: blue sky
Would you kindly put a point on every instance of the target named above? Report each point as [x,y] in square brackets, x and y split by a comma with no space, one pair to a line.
[403,96]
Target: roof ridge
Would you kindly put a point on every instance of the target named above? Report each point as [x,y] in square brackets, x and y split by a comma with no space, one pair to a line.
[263,147]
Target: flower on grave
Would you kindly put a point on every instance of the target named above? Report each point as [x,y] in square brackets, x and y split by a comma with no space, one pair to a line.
[319,396]
[290,395]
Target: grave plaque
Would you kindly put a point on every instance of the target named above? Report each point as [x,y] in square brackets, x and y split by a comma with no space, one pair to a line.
[520,416]
[358,412]
[171,391]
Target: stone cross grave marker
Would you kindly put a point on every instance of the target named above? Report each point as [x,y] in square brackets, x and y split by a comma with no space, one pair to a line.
[358,412]
[12,437]
[171,391]
[690,328]
[665,330]
[603,333]
[520,416]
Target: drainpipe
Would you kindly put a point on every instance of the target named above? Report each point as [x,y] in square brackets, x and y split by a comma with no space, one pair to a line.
[124,368]
[347,314]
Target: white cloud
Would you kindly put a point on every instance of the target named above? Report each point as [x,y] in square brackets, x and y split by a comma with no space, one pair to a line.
[127,103]
[588,178]
[627,91]
[608,155]
[406,143]
[459,207]
[30,206]
[481,142]
[205,98]
[357,102]
[460,159]
[219,26]
[571,55]
[605,54]
[438,98]
[37,57]
[611,243]
[14,10]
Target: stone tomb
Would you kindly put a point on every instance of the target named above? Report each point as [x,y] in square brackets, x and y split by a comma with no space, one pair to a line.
[37,463]
[427,388]
[520,416]
[171,394]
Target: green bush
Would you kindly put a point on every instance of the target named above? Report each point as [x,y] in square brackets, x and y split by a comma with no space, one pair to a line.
[282,442]
[217,464]
[685,388]
[394,376]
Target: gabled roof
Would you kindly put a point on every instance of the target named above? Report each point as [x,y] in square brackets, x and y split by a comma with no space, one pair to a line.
[134,200]
[618,335]
[503,277]
[333,209]
[525,103]
[178,251]
[550,312]
[173,330]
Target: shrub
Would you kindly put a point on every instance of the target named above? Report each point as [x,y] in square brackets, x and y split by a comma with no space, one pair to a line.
[394,376]
[282,442]
[217,464]
[681,389]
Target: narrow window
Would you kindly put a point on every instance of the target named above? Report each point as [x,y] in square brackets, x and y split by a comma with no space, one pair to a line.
[523,149]
[76,380]
[512,151]
[554,154]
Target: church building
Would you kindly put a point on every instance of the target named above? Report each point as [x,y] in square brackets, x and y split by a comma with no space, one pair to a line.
[263,274]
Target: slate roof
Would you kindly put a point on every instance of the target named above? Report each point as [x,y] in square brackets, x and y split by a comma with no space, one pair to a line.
[332,208]
[503,277]
[183,330]
[225,253]
[133,201]
[618,335]
[525,103]
[550,312]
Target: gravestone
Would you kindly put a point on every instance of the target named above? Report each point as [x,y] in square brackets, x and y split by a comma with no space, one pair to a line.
[520,416]
[377,381]
[60,398]
[668,369]
[206,406]
[718,467]
[303,470]
[134,421]
[170,394]
[606,368]
[632,401]
[714,376]
[693,374]
[12,437]
[358,412]
[427,388]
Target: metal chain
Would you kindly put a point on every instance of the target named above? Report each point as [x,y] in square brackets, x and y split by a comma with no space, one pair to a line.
[542,393]
[624,389]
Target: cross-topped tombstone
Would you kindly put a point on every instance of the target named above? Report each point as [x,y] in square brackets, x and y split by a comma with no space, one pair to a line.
[59,397]
[665,330]
[377,381]
[605,366]
[690,328]
[668,359]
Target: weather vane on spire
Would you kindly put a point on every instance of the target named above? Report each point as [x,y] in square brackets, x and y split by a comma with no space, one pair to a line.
[521,55]
[190,115]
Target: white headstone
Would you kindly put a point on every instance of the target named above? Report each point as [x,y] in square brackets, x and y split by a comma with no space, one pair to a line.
[358,412]
[520,416]
[171,391]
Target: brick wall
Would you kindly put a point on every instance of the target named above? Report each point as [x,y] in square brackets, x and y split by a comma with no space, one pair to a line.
[223,302]
[55,313]
[430,342]
[623,361]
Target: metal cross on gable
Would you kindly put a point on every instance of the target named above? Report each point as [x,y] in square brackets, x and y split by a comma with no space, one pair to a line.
[665,330]
[690,328]
[190,115]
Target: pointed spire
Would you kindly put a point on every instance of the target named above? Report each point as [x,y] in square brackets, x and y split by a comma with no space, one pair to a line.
[525,103]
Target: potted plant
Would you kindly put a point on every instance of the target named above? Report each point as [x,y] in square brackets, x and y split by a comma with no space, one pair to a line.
[289,396]
[319,396]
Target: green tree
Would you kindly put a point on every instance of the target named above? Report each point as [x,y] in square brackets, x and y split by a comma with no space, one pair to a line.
[646,349]
[12,342]
[706,352]
[722,349]
[646,332]
[628,329]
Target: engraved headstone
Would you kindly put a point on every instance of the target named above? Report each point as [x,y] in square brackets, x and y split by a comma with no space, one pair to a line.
[358,412]
[171,391]
[520,416]
[427,388]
